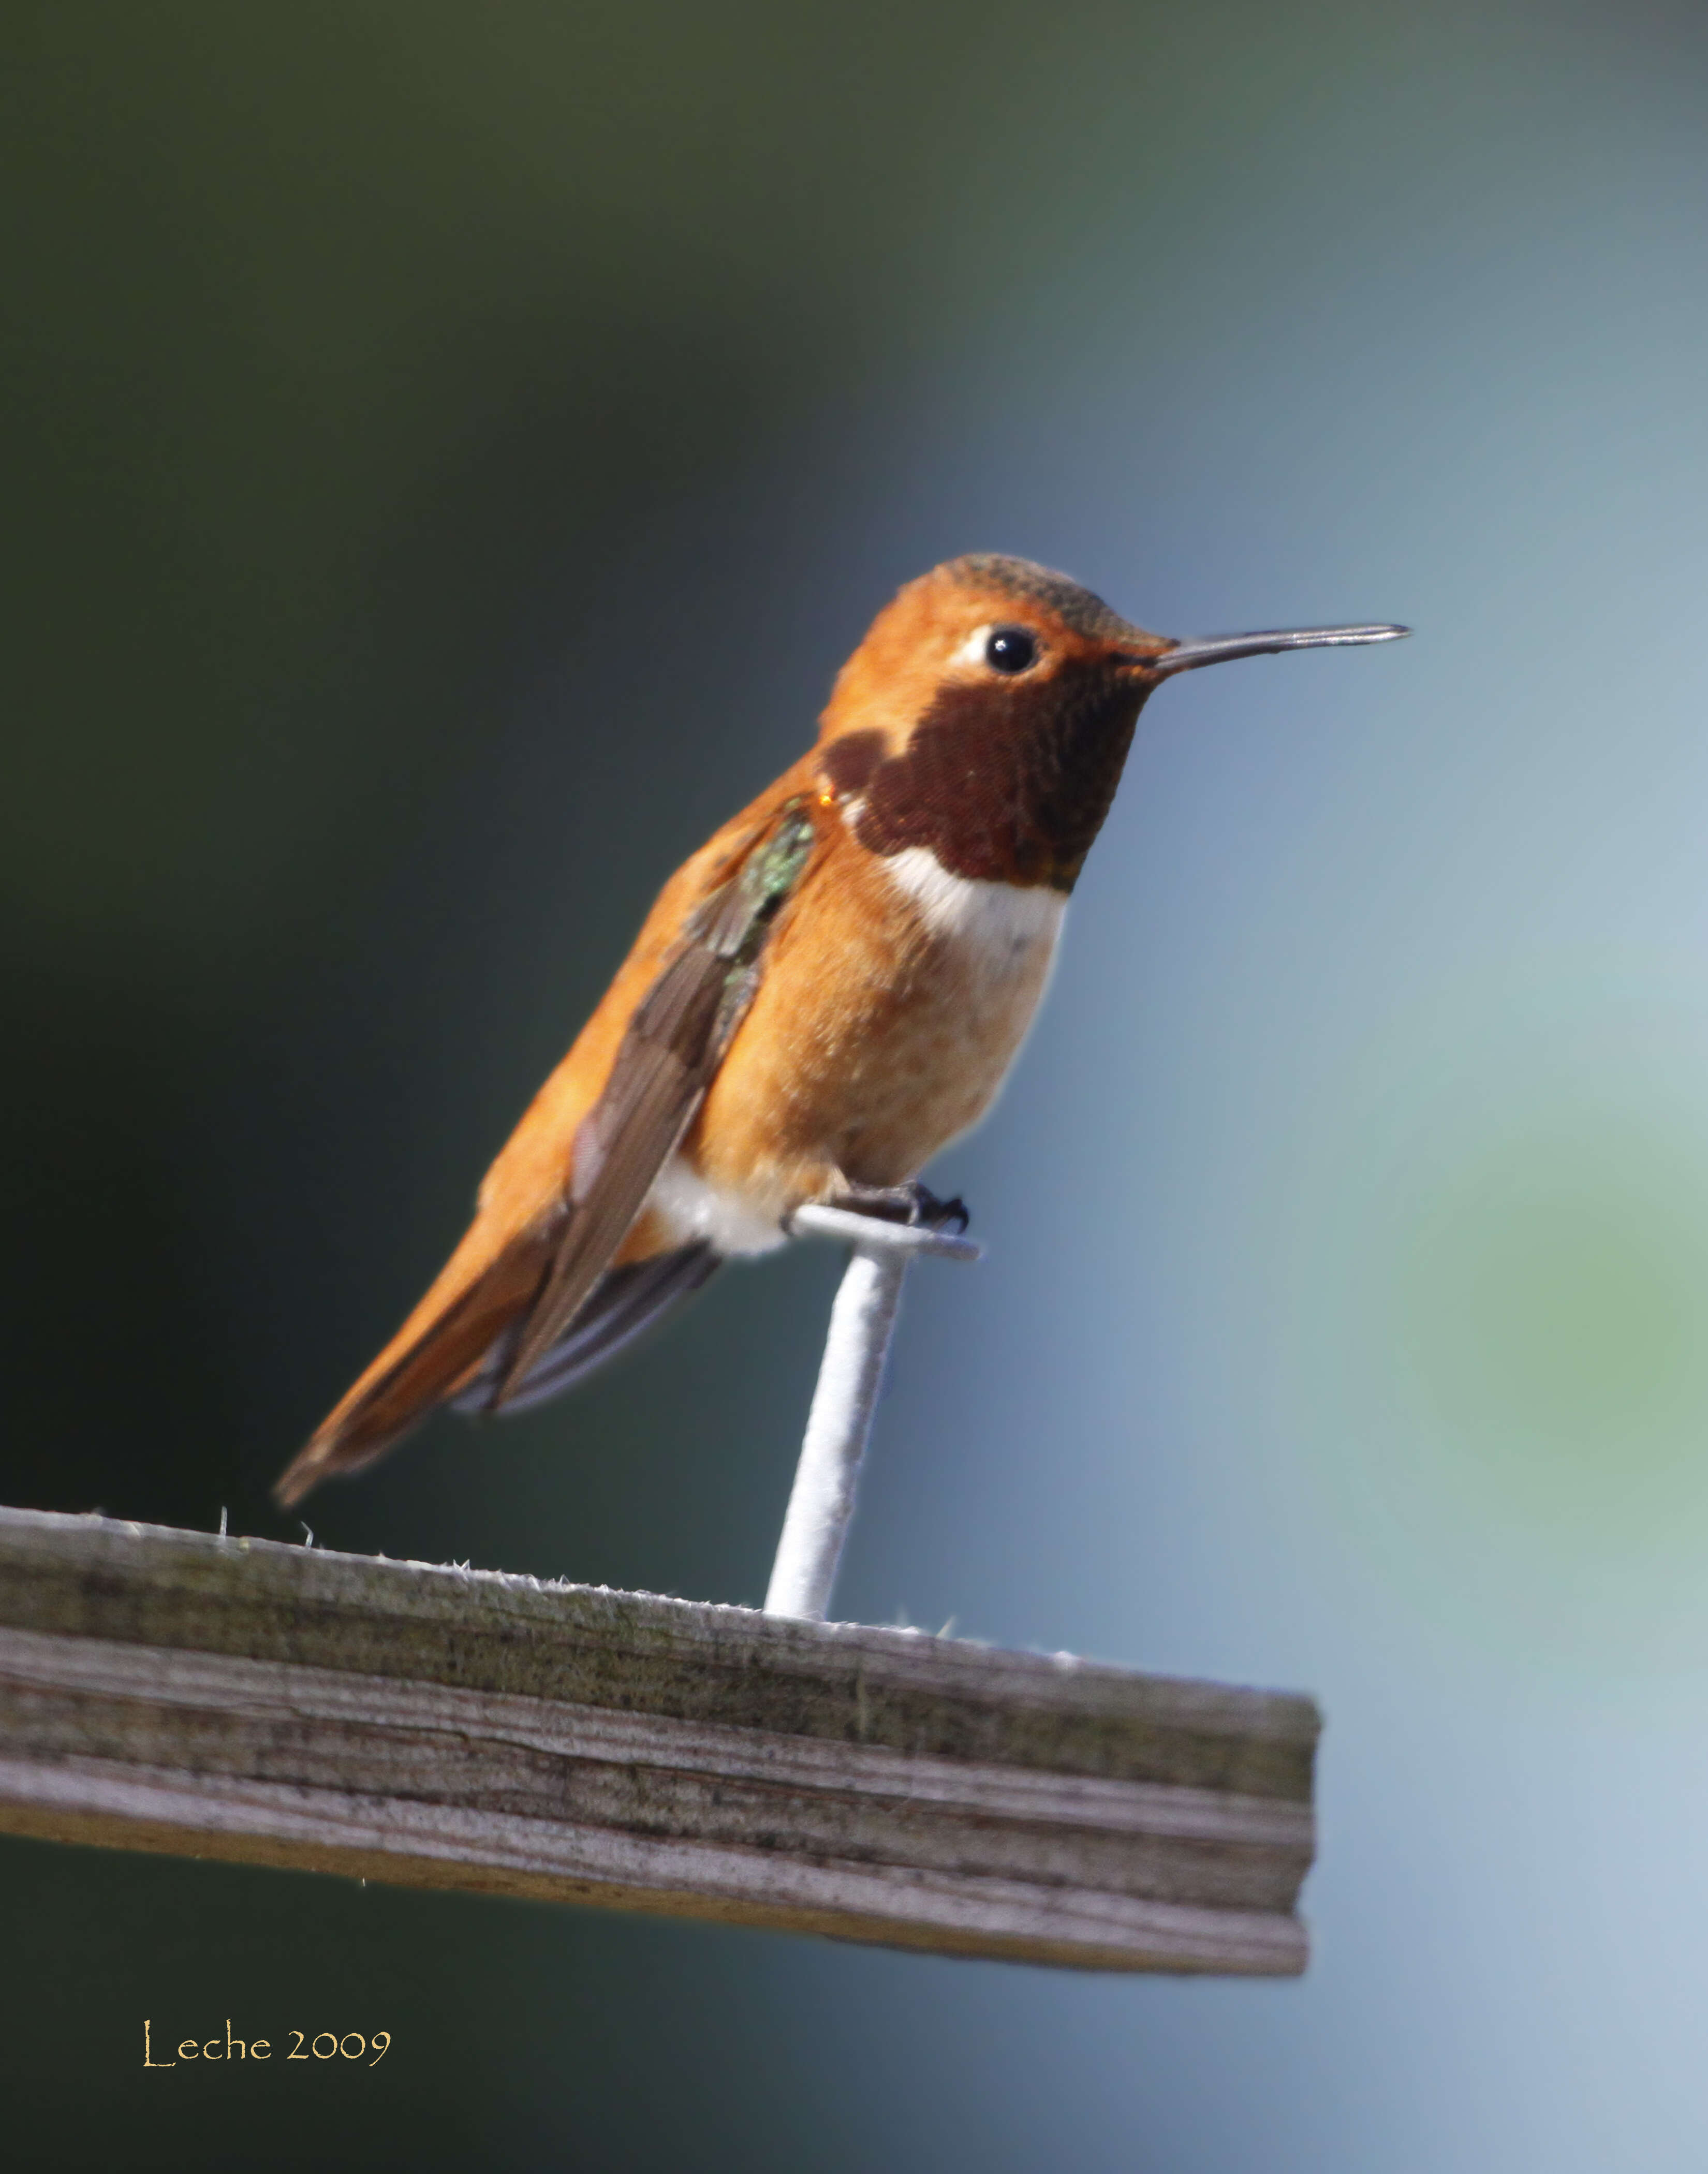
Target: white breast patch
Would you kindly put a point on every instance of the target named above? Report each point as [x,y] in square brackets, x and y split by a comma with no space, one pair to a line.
[1004,924]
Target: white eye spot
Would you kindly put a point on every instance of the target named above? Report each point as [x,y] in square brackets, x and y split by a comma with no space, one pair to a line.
[1001,647]
[972,650]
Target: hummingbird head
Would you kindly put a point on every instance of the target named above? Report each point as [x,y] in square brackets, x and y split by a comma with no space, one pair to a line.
[987,715]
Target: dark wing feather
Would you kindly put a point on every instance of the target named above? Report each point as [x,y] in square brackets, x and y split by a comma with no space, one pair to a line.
[664,1064]
[512,1322]
[622,1303]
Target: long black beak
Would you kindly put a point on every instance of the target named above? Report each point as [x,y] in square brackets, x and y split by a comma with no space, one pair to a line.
[1218,648]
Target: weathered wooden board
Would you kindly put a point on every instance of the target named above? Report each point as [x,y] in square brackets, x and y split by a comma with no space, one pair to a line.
[437,1726]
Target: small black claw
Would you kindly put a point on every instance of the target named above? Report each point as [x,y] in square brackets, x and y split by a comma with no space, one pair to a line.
[926,1212]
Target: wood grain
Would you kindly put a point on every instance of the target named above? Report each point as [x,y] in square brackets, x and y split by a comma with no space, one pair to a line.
[437,1726]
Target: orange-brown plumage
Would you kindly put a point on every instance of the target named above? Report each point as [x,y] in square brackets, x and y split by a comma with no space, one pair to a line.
[828,991]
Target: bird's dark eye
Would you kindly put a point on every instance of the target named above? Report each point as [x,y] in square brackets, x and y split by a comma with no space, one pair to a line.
[1011,649]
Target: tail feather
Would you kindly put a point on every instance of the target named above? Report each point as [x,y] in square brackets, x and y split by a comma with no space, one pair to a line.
[457,1345]
[624,1302]
[429,1361]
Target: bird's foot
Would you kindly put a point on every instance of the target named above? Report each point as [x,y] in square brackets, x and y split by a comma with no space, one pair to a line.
[913,1203]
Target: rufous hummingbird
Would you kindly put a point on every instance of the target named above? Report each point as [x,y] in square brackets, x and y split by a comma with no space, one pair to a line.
[830,990]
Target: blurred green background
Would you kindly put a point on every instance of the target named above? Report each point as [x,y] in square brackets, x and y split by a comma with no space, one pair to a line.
[448,451]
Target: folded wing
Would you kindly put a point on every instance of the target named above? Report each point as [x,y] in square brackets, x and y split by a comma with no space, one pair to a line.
[512,1321]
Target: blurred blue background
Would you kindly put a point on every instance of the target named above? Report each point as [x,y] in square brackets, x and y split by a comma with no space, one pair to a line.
[452,449]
